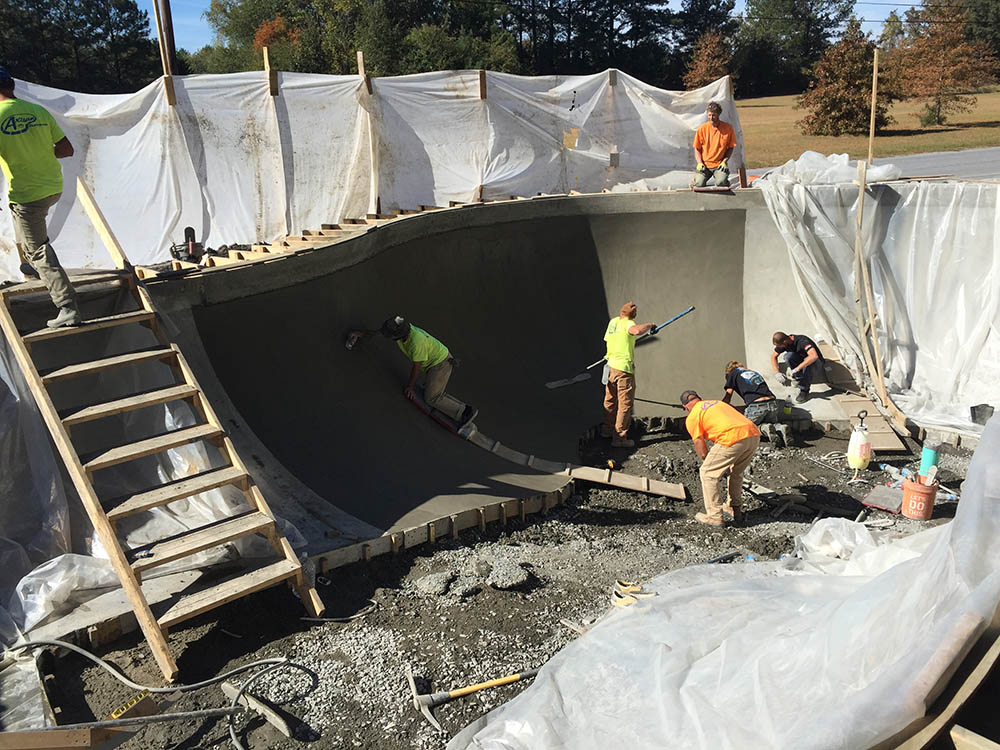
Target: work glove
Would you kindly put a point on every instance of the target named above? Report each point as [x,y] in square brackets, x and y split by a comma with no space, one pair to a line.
[651,331]
[797,374]
[782,378]
[700,167]
[725,165]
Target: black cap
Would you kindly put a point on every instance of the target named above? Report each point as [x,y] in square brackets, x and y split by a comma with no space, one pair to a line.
[689,396]
[396,328]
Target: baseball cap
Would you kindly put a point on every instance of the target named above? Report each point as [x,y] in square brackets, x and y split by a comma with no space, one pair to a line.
[688,396]
[4,73]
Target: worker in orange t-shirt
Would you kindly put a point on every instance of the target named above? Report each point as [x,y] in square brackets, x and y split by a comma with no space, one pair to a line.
[735,439]
[714,142]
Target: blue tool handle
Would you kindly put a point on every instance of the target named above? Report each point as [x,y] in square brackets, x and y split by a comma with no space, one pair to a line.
[679,315]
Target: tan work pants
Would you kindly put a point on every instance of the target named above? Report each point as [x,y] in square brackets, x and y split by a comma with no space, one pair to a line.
[32,235]
[734,458]
[436,380]
[619,396]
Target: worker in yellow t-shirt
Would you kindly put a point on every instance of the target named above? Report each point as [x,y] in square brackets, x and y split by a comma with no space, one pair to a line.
[433,358]
[735,439]
[619,392]
[30,143]
[714,142]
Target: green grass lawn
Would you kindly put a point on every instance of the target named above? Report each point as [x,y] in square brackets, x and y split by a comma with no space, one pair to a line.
[772,137]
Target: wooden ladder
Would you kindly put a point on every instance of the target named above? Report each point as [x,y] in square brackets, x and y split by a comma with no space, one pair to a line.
[130,564]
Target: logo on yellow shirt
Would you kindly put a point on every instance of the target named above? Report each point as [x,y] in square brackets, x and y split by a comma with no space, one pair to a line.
[17,124]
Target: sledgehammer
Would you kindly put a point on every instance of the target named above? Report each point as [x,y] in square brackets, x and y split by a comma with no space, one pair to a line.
[426,701]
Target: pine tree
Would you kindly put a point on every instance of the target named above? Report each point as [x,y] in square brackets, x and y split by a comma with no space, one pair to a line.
[839,96]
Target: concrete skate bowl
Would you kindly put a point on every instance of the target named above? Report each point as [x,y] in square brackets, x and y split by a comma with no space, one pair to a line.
[521,292]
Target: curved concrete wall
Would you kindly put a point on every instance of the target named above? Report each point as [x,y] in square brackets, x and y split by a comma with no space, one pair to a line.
[521,291]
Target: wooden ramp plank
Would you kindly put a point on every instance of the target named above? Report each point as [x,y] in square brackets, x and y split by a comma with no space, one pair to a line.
[167,550]
[95,324]
[177,491]
[129,403]
[152,445]
[77,282]
[97,365]
[216,596]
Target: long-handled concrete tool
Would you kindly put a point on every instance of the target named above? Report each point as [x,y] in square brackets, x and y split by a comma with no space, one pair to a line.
[427,701]
[585,373]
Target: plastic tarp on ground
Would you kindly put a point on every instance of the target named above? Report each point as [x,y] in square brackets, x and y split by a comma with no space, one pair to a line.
[934,253]
[834,648]
[241,166]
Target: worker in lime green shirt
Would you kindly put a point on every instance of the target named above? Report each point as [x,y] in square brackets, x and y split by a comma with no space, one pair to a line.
[619,392]
[30,143]
[433,358]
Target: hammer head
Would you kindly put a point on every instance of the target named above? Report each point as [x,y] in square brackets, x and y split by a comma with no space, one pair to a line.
[421,700]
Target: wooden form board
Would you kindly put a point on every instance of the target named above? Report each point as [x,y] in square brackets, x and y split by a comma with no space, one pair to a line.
[394,541]
[587,473]
[881,433]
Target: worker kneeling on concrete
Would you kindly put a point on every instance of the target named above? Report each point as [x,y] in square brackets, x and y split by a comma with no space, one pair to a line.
[762,408]
[619,388]
[430,355]
[735,439]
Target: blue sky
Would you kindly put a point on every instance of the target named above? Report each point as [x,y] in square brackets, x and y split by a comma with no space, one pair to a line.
[192,32]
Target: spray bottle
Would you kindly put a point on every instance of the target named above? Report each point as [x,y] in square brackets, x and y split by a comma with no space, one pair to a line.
[859,450]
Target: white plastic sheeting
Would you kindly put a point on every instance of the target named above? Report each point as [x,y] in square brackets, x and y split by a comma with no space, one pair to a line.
[934,254]
[45,570]
[834,650]
[239,165]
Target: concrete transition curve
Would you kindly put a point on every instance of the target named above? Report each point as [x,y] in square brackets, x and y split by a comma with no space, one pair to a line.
[521,292]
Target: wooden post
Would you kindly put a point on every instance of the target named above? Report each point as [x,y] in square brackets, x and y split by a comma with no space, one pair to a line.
[361,72]
[482,84]
[168,37]
[374,199]
[871,126]
[612,77]
[863,279]
[168,81]
[272,75]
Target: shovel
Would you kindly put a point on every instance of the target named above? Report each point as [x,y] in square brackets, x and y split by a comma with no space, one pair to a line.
[585,373]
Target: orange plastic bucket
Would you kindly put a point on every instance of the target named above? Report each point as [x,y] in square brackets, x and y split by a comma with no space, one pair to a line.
[918,499]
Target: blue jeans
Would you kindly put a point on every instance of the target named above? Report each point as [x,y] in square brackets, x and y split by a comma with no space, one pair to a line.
[760,412]
[804,378]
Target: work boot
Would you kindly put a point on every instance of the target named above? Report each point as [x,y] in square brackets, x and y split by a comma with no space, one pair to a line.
[802,397]
[68,316]
[785,434]
[777,437]
[703,518]
[29,271]
[468,415]
[738,516]
[620,442]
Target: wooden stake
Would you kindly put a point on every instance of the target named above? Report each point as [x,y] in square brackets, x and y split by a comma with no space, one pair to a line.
[168,81]
[871,125]
[612,77]
[272,75]
[361,72]
[482,84]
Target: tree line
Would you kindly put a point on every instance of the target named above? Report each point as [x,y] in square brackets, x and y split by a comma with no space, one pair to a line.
[772,47]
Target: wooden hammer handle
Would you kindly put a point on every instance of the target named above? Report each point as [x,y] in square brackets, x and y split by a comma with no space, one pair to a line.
[492,683]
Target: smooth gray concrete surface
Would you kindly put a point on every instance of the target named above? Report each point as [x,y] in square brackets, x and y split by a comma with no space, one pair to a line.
[521,292]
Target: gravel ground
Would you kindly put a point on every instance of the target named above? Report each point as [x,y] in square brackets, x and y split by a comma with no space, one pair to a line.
[482,607]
